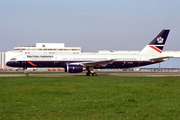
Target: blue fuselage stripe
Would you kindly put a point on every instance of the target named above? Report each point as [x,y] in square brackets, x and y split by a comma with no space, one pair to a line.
[115,64]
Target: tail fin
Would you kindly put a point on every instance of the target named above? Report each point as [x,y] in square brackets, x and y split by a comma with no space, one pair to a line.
[156,46]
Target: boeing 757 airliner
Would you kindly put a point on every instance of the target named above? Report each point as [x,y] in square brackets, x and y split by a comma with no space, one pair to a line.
[76,62]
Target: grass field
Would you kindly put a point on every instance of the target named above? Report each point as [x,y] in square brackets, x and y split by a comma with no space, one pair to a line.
[90,98]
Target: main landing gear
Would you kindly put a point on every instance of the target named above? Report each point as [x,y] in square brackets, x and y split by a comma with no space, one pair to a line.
[25,71]
[89,74]
[90,71]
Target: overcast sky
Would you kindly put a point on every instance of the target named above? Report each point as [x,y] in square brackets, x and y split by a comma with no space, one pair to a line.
[91,24]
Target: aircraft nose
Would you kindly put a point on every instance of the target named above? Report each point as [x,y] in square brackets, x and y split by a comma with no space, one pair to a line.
[9,63]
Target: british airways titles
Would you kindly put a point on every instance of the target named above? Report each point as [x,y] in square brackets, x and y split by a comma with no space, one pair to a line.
[40,56]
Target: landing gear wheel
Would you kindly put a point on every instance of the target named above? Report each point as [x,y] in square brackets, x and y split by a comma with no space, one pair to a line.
[94,74]
[26,74]
[91,74]
[90,71]
[88,74]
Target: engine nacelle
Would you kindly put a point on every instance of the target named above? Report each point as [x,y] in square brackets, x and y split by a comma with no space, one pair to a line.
[74,68]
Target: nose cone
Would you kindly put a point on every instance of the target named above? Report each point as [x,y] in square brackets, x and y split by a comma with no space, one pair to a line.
[10,63]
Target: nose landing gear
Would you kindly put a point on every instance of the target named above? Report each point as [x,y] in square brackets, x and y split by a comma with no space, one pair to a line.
[25,71]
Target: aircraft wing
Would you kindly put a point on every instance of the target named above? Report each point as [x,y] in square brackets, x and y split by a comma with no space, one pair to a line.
[161,58]
[95,63]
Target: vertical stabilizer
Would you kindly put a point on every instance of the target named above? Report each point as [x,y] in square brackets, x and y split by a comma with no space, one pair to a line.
[156,46]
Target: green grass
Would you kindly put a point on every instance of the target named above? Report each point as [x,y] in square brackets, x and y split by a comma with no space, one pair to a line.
[90,98]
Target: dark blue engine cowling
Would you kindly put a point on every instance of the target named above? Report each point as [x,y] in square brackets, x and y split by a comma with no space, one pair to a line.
[74,68]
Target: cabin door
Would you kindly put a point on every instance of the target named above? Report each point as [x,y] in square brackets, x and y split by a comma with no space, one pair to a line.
[140,61]
[55,63]
[23,62]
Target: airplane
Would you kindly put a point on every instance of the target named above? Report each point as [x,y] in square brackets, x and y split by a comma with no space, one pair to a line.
[76,62]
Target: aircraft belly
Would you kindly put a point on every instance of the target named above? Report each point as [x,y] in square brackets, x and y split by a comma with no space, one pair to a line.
[127,64]
[49,64]
[39,64]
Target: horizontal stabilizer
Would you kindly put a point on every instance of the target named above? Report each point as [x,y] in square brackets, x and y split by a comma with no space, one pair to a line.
[161,58]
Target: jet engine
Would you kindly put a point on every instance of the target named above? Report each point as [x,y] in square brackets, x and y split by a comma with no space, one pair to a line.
[74,68]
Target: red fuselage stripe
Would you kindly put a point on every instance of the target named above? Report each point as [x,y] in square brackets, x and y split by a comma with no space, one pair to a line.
[156,49]
[31,63]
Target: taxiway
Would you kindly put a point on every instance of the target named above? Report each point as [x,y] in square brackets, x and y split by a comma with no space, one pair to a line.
[148,74]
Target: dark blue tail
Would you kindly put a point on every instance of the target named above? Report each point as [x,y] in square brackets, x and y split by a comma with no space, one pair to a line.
[157,44]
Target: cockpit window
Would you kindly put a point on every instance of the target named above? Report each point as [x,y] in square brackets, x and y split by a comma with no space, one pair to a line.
[13,59]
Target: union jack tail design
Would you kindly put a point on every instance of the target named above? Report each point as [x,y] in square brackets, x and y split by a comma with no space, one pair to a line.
[156,46]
